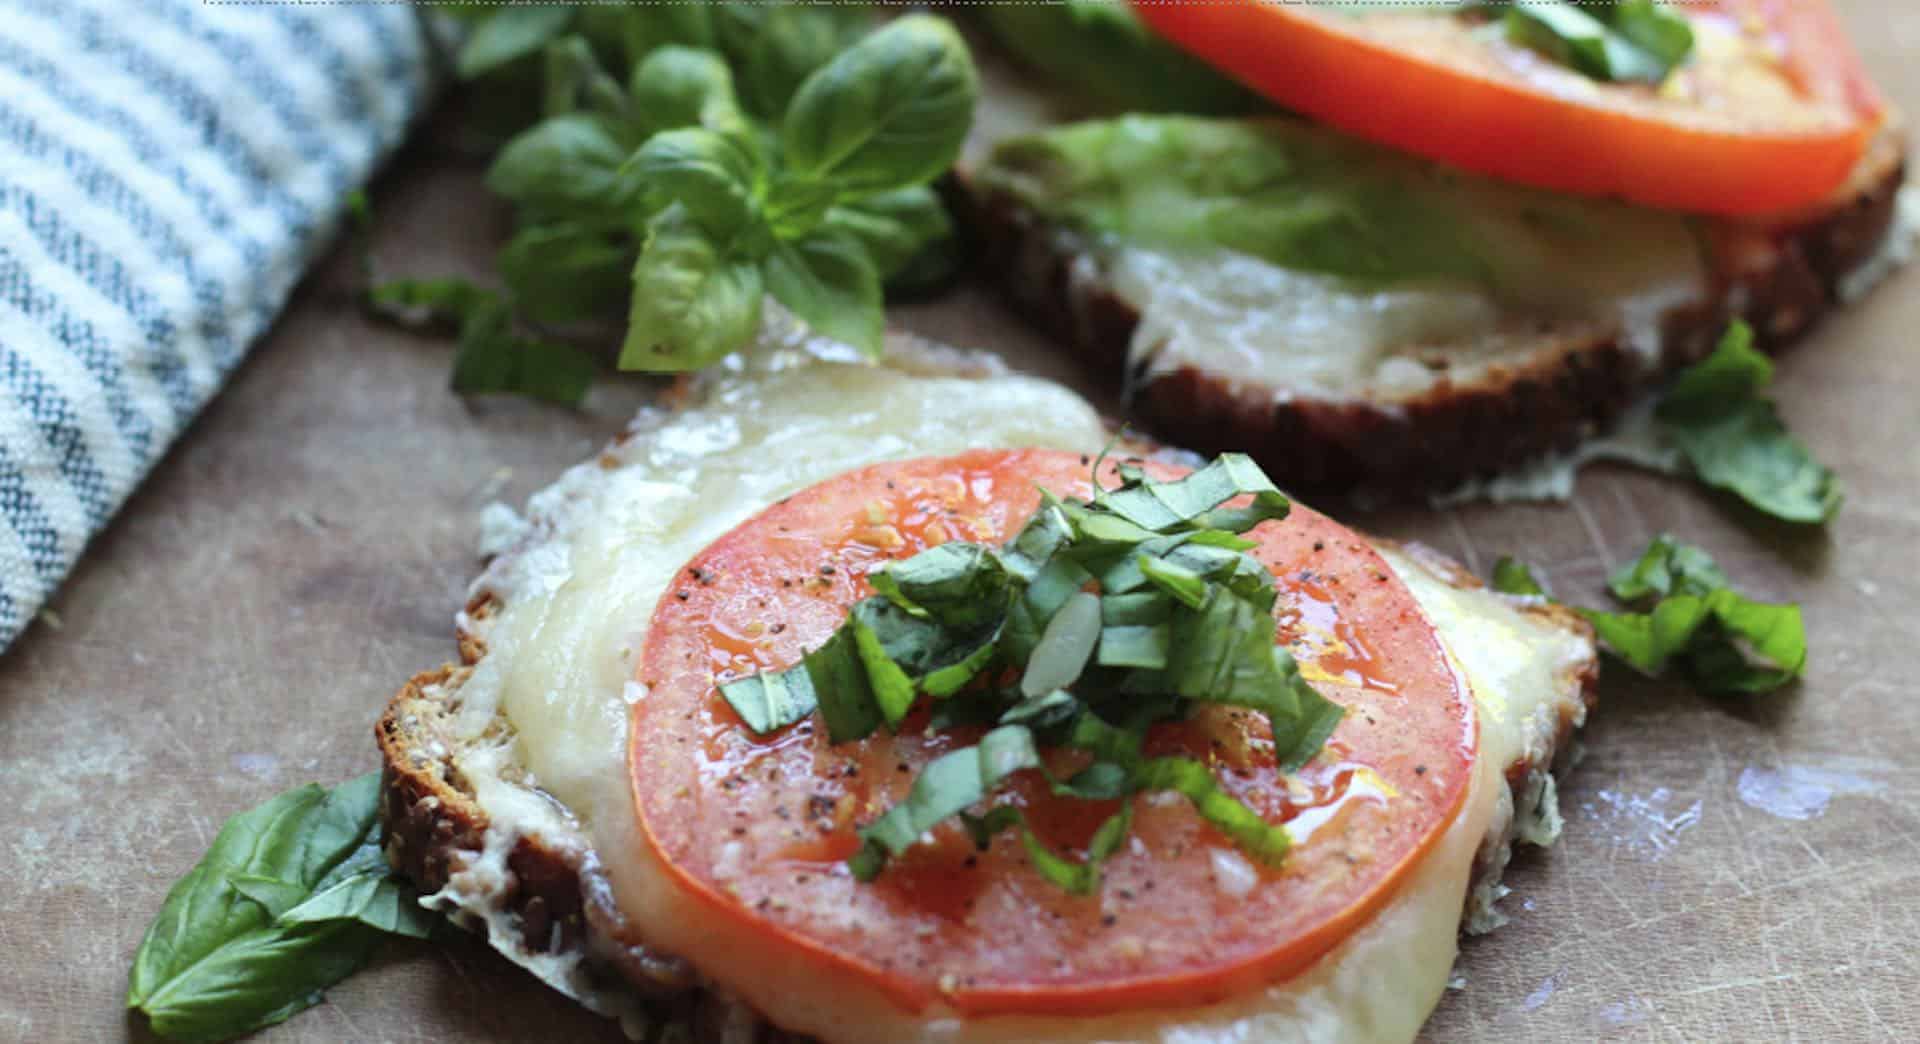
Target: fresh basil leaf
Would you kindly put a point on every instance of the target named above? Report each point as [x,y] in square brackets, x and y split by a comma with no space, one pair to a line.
[566,270]
[896,227]
[1102,51]
[713,177]
[950,783]
[692,303]
[828,281]
[1299,736]
[507,34]
[1143,646]
[221,958]
[577,82]
[1058,580]
[1195,782]
[776,45]
[892,110]
[569,163]
[686,87]
[1731,433]
[1514,577]
[492,359]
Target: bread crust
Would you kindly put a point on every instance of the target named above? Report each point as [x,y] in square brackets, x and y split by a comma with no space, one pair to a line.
[1781,275]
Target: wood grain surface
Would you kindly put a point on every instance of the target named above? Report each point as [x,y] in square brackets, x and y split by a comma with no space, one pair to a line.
[1739,871]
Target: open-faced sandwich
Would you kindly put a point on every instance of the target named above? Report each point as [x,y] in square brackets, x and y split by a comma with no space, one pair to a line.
[898,703]
[1400,245]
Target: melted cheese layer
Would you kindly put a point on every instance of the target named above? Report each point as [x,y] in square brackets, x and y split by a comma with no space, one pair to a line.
[606,540]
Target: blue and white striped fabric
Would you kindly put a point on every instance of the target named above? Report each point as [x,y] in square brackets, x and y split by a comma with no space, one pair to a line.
[167,170]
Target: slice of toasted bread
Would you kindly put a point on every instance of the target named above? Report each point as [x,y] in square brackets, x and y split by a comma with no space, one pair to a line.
[469,823]
[1476,403]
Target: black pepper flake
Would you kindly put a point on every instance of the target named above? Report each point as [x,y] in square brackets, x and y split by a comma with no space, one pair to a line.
[826,570]
[786,583]
[1125,894]
[682,595]
[777,628]
[781,811]
[903,767]
[1319,545]
[1419,770]
[1085,460]
[763,904]
[970,862]
[1108,920]
[739,831]
[821,806]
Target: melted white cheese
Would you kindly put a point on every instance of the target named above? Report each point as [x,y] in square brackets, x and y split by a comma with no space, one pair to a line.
[607,538]
[1317,336]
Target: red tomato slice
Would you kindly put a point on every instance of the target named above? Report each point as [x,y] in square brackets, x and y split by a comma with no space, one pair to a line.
[756,829]
[1771,112]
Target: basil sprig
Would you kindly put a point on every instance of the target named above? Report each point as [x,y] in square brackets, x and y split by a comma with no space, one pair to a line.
[753,149]
[1097,620]
[1688,621]
[1716,412]
[294,896]
[1620,41]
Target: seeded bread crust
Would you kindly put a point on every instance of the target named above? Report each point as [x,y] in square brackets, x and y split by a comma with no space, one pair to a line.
[1781,275]
[559,904]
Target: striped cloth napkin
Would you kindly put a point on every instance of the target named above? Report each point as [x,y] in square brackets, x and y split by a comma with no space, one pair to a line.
[167,170]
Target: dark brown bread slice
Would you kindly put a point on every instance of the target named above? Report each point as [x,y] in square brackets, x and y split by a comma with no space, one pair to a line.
[1780,275]
[558,900]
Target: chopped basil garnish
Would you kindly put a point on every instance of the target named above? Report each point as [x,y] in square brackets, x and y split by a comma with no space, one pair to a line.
[1719,416]
[1097,620]
[1620,41]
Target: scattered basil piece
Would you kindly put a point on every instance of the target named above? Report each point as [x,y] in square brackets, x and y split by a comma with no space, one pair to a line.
[493,359]
[1098,619]
[1514,577]
[492,356]
[1694,625]
[1685,619]
[1719,416]
[293,897]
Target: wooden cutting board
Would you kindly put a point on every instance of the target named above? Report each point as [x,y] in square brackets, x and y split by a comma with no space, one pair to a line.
[1743,870]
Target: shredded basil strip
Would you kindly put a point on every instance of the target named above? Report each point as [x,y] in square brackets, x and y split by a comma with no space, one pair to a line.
[1097,620]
